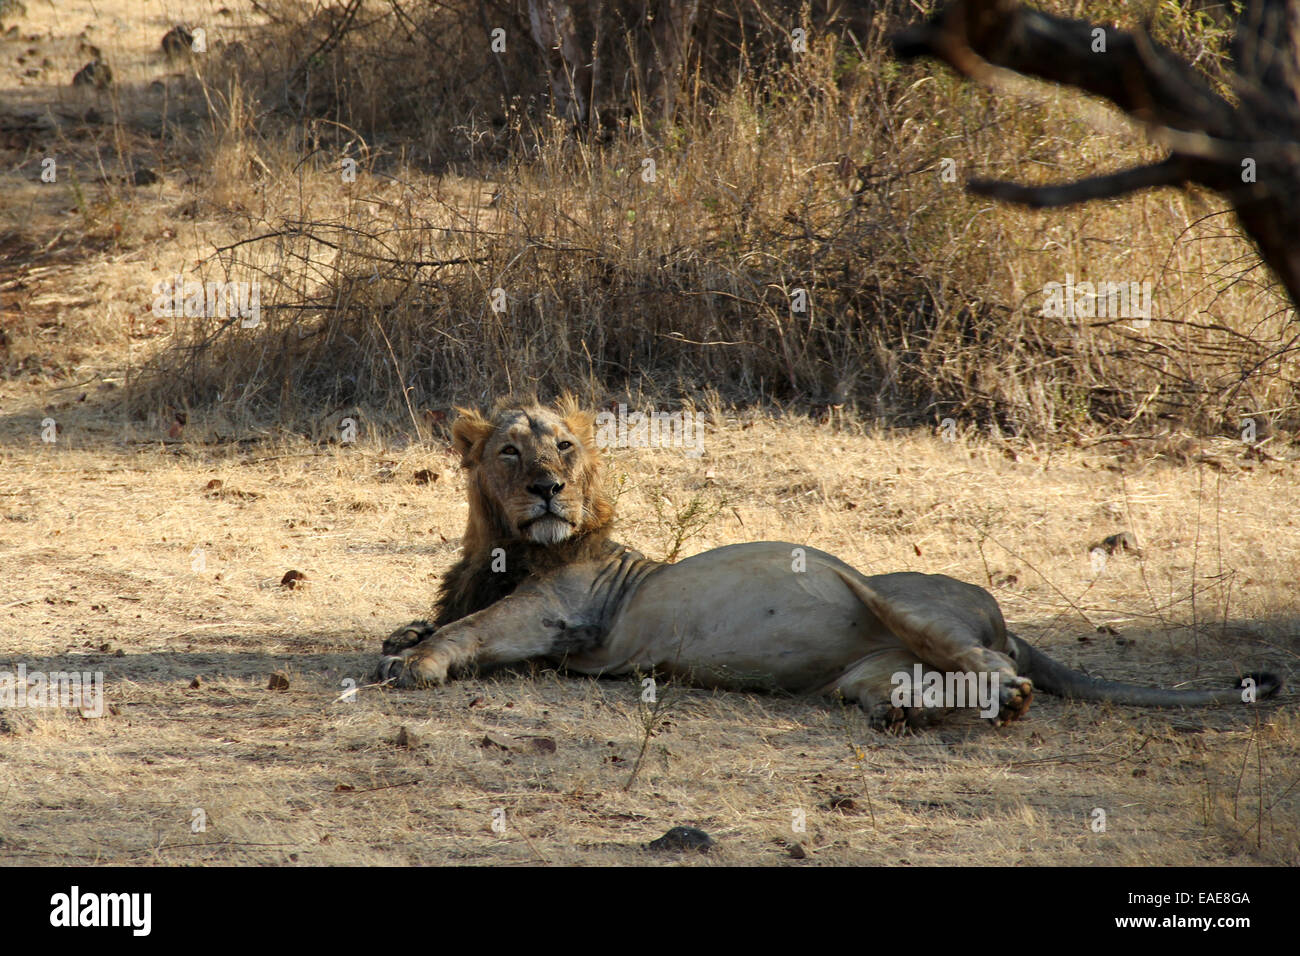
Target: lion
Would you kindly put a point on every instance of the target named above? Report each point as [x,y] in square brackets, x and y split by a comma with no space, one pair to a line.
[540,578]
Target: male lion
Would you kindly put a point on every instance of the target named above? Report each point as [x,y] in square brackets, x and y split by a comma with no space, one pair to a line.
[539,577]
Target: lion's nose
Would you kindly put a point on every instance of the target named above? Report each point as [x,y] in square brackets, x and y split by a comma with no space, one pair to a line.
[546,489]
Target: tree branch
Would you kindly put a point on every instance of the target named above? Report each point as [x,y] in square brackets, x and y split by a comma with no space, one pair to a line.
[1250,153]
[1137,75]
[1170,172]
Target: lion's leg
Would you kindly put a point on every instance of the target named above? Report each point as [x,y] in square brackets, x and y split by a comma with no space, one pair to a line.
[873,684]
[517,628]
[949,625]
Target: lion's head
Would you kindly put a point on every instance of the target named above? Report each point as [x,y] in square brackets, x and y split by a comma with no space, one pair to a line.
[534,475]
[535,499]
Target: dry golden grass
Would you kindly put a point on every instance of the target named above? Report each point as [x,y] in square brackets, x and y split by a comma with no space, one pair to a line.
[97,540]
[823,173]
[608,280]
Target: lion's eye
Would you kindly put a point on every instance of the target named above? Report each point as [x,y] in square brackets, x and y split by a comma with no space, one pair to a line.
[564,445]
[510,450]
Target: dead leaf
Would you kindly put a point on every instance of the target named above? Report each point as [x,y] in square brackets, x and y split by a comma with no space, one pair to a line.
[220,492]
[1122,541]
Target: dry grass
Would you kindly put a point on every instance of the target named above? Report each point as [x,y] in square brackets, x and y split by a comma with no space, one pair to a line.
[821,173]
[796,240]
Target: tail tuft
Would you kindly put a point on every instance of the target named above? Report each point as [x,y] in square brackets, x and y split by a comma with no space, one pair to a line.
[1266,684]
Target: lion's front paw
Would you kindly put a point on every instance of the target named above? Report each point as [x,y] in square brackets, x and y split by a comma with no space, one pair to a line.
[408,636]
[1014,697]
[419,666]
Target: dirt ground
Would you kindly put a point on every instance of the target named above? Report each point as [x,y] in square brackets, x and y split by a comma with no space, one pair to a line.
[119,558]
[155,555]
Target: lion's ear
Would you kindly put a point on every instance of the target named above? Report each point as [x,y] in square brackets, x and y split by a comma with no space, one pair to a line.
[577,420]
[469,433]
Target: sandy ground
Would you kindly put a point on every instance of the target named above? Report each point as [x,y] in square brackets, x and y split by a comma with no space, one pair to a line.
[120,559]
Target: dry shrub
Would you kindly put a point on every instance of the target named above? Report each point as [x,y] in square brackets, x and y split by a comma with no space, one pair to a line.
[818,181]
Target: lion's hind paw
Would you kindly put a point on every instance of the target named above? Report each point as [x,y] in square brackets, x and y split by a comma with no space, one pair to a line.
[888,719]
[1015,697]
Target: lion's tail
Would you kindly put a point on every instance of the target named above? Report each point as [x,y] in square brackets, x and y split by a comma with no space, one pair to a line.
[1055,678]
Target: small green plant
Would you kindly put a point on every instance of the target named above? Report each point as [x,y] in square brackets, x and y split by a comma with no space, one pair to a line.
[652,718]
[79,197]
[615,485]
[678,524]
[852,714]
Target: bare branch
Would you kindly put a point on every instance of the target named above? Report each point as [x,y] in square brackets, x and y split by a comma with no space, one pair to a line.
[1150,84]
[1170,172]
